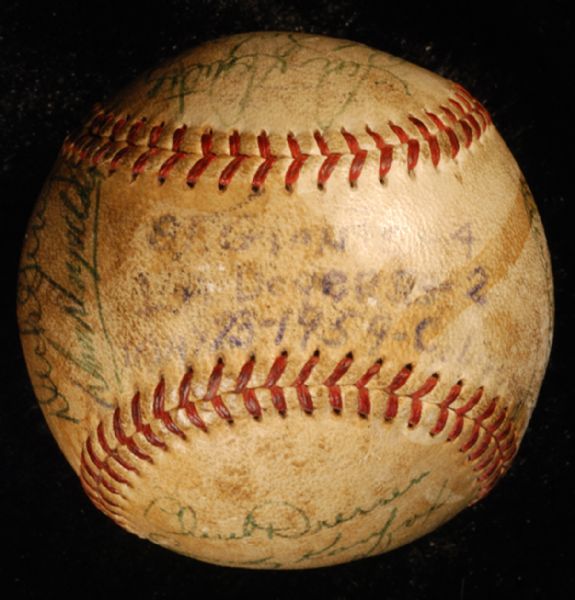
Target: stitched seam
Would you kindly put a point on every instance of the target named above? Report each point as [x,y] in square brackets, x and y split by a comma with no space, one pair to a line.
[461,120]
[490,445]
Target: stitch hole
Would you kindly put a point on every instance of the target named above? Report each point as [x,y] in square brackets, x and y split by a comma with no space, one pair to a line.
[222,187]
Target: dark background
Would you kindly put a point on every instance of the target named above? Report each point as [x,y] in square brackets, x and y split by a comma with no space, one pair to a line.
[56,60]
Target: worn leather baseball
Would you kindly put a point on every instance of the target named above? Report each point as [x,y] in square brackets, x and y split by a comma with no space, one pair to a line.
[286,302]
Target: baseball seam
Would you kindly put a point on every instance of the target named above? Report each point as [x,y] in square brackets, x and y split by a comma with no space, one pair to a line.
[490,445]
[120,143]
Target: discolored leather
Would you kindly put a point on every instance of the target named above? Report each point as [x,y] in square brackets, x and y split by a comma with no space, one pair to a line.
[286,302]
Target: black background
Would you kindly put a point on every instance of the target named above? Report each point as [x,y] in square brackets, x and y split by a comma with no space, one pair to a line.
[56,60]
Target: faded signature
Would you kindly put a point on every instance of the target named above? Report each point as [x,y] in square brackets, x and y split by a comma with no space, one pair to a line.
[252,67]
[74,289]
[284,520]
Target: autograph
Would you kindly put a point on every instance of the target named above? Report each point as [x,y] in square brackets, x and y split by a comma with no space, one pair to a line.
[252,67]
[284,520]
[74,289]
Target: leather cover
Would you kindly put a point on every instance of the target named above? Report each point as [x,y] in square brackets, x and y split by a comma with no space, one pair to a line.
[286,302]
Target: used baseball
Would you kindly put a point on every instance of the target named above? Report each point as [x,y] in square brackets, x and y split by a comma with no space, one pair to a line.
[286,302]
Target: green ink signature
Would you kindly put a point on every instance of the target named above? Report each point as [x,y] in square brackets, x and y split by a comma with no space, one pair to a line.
[184,80]
[279,519]
[30,319]
[78,200]
[381,539]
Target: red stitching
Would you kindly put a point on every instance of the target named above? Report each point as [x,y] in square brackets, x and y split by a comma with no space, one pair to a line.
[364,405]
[231,169]
[429,138]
[494,456]
[102,153]
[249,395]
[269,160]
[203,163]
[412,146]
[509,447]
[136,131]
[160,413]
[119,127]
[98,478]
[465,120]
[417,403]
[129,442]
[103,464]
[330,162]
[98,489]
[78,146]
[476,105]
[453,139]
[168,165]
[276,371]
[334,390]
[134,134]
[144,428]
[392,400]
[385,153]
[461,412]
[185,403]
[101,436]
[140,163]
[117,158]
[297,163]
[101,121]
[467,131]
[444,407]
[212,393]
[155,134]
[359,156]
[490,444]
[303,393]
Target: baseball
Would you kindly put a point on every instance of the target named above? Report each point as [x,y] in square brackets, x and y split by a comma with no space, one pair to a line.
[286,302]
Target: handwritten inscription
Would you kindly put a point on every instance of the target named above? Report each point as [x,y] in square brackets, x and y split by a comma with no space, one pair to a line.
[326,302]
[30,313]
[174,237]
[248,66]
[233,272]
[464,235]
[277,520]
[70,284]
[478,279]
